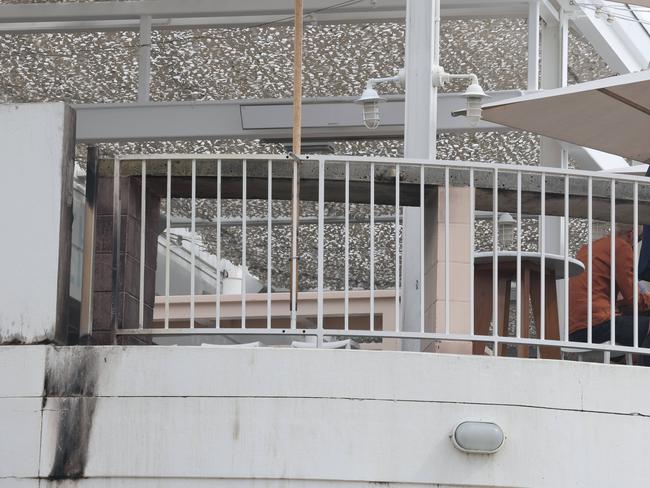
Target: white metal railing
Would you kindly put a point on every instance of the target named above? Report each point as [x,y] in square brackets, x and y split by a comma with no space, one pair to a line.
[550,201]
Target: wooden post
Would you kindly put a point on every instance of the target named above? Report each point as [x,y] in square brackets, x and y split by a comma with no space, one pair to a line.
[297,79]
[296,149]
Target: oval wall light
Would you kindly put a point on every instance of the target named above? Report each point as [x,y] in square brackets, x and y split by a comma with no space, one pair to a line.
[477,437]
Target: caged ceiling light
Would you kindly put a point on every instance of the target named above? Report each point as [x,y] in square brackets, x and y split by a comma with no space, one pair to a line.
[506,226]
[370,99]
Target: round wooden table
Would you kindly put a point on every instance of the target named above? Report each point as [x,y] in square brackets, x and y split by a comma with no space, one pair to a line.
[530,288]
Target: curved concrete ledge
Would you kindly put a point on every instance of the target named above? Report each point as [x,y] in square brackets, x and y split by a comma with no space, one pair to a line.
[179,416]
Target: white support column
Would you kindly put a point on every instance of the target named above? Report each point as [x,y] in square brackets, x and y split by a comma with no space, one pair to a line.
[144,59]
[563,41]
[419,142]
[533,46]
[554,75]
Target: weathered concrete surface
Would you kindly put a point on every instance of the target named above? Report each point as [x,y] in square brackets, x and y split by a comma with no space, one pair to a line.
[37,144]
[192,416]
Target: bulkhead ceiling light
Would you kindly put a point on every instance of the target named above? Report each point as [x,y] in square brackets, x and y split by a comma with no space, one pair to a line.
[475,437]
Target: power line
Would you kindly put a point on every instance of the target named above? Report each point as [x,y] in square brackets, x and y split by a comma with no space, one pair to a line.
[346,3]
[615,15]
[180,40]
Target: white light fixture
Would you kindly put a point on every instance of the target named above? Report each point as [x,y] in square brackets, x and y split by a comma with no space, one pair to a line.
[474,93]
[475,96]
[506,230]
[475,437]
[370,99]
[439,77]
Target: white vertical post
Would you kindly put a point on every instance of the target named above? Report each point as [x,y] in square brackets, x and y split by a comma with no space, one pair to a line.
[269,235]
[193,248]
[168,245]
[244,268]
[397,248]
[447,254]
[533,46]
[635,301]
[218,287]
[563,55]
[542,250]
[472,205]
[144,59]
[554,43]
[612,262]
[346,285]
[567,188]
[321,250]
[143,233]
[372,246]
[419,143]
[590,186]
[421,260]
[519,284]
[495,259]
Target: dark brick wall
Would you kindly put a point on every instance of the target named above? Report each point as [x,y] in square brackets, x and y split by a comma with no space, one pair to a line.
[129,280]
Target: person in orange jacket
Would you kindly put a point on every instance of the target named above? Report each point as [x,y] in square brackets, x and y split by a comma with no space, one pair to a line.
[601,294]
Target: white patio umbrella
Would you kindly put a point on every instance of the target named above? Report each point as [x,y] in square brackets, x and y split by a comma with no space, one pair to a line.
[611,115]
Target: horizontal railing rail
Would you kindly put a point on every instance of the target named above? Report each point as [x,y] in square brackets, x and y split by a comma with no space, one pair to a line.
[473,257]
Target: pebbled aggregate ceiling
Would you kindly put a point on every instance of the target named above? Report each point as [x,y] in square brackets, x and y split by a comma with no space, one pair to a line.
[234,63]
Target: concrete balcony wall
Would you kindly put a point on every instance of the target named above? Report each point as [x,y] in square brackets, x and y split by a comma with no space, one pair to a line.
[36,161]
[192,416]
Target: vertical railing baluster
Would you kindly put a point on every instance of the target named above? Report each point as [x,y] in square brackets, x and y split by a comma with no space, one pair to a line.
[397,249]
[143,233]
[244,270]
[346,267]
[422,264]
[321,245]
[116,302]
[168,245]
[495,259]
[612,268]
[193,247]
[269,233]
[590,190]
[218,287]
[542,270]
[635,225]
[447,254]
[472,238]
[566,256]
[518,324]
[372,246]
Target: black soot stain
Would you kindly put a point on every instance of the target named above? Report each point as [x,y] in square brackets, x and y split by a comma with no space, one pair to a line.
[70,381]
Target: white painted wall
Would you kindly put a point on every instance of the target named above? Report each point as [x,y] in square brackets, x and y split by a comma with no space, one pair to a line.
[191,416]
[36,151]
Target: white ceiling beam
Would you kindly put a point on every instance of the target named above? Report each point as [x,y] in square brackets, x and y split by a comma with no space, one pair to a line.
[623,44]
[335,118]
[173,14]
